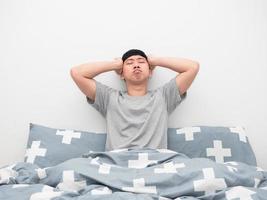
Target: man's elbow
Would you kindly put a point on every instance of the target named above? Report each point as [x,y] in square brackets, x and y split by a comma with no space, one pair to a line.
[74,72]
[196,66]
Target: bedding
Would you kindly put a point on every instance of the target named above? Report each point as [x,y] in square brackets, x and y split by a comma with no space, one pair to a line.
[134,173]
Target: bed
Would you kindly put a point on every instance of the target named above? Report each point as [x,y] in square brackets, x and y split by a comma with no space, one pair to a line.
[201,162]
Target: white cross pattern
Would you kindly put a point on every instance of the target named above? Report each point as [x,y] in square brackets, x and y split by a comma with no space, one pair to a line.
[7,173]
[34,151]
[46,194]
[41,172]
[69,184]
[209,184]
[218,152]
[189,132]
[139,187]
[101,191]
[142,161]
[169,168]
[68,135]
[239,192]
[241,133]
[104,168]
[165,151]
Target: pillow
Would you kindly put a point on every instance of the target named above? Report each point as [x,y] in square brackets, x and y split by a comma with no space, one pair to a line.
[221,144]
[49,146]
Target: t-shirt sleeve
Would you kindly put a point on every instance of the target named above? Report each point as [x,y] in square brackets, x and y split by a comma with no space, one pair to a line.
[171,94]
[102,97]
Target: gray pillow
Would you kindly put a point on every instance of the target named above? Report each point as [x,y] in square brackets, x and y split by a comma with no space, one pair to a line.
[221,144]
[49,146]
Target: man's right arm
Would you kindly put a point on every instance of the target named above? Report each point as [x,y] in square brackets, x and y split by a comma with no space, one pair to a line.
[83,74]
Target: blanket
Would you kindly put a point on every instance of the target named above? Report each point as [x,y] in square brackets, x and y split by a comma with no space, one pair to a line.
[134,173]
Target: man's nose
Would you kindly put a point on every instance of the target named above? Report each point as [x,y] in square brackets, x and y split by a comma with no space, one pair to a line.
[136,66]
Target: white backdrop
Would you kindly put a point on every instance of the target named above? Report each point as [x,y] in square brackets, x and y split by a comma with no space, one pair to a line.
[41,41]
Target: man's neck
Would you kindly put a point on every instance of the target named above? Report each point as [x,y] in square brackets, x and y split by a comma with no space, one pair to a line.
[137,90]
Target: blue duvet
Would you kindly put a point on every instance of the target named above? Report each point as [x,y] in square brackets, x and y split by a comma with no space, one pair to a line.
[142,173]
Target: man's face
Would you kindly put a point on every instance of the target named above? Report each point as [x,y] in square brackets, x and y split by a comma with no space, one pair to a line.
[136,69]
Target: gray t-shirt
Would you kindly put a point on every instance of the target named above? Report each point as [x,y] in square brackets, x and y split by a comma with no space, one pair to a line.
[136,121]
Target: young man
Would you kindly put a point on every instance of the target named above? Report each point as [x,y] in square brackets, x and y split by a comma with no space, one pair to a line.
[137,117]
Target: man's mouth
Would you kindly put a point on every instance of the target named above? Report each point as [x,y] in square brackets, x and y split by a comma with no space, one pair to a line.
[137,71]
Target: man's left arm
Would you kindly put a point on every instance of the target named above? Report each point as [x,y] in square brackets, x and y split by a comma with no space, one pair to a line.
[186,68]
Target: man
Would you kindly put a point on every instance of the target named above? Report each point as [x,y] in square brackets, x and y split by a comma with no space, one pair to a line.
[137,117]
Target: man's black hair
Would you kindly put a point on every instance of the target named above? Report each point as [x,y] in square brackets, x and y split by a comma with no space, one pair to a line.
[133,52]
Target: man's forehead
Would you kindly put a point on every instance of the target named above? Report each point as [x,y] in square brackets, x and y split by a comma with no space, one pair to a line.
[135,57]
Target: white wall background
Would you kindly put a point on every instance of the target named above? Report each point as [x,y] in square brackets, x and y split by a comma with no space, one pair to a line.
[41,40]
